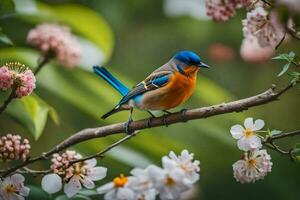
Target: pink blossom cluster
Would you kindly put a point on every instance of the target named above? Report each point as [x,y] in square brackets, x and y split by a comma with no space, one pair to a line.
[58,40]
[60,163]
[15,75]
[223,10]
[12,147]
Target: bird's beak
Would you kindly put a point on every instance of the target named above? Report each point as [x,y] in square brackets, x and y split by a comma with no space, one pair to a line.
[203,65]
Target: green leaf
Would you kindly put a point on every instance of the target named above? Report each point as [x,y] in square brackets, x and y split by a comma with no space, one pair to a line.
[88,192]
[296,153]
[32,112]
[292,55]
[76,197]
[37,193]
[275,132]
[284,69]
[282,57]
[6,7]
[5,39]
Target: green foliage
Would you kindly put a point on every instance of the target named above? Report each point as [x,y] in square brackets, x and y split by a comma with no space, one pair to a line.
[5,39]
[285,57]
[6,7]
[32,112]
[275,132]
[36,193]
[295,153]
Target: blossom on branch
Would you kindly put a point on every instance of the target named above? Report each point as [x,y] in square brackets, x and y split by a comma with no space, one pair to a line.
[73,176]
[12,147]
[58,40]
[12,188]
[254,166]
[6,79]
[247,137]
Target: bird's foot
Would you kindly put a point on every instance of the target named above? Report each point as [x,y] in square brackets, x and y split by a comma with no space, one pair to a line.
[165,120]
[127,124]
[183,114]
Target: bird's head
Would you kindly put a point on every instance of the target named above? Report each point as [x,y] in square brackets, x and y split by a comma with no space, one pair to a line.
[189,60]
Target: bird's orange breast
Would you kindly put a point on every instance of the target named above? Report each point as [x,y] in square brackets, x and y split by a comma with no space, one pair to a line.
[179,88]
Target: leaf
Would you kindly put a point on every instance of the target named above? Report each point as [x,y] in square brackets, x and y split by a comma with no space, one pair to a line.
[292,55]
[88,192]
[6,7]
[32,112]
[5,39]
[275,132]
[284,69]
[296,153]
[76,197]
[37,193]
[282,57]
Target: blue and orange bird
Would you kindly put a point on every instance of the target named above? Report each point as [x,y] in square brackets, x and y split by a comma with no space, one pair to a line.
[167,87]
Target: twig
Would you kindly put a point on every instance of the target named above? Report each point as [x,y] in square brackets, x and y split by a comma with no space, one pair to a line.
[43,60]
[7,101]
[198,113]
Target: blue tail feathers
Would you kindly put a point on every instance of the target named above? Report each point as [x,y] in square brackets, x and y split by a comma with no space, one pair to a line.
[110,79]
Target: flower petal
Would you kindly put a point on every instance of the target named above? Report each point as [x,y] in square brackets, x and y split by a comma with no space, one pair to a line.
[51,183]
[24,191]
[17,178]
[91,163]
[243,144]
[255,142]
[248,123]
[237,131]
[88,183]
[105,188]
[258,124]
[125,194]
[72,187]
[168,164]
[97,173]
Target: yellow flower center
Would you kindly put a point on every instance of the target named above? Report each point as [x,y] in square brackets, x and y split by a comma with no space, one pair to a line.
[10,189]
[248,132]
[252,162]
[169,181]
[120,181]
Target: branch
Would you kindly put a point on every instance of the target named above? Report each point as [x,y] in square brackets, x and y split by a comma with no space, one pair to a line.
[198,113]
[11,96]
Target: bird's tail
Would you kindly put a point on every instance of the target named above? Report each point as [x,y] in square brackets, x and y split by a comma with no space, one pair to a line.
[110,79]
[113,111]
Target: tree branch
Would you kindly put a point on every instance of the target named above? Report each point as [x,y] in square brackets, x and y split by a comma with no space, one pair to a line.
[11,96]
[198,113]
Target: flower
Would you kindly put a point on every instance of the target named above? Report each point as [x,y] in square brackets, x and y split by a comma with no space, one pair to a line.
[254,166]
[6,80]
[141,184]
[170,181]
[56,39]
[12,147]
[251,51]
[73,176]
[27,85]
[265,27]
[186,162]
[117,189]
[247,138]
[12,188]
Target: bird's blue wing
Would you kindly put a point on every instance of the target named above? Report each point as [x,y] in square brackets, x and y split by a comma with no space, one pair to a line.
[151,83]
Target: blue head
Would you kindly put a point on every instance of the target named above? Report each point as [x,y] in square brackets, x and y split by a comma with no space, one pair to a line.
[190,58]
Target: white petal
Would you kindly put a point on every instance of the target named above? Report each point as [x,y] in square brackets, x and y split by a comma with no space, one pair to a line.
[51,183]
[91,162]
[248,123]
[105,188]
[237,131]
[17,178]
[243,144]
[258,124]
[125,194]
[255,142]
[136,171]
[88,183]
[172,155]
[24,191]
[72,187]
[111,195]
[168,164]
[97,173]
[15,196]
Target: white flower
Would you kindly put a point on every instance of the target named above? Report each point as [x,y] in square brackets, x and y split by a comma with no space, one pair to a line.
[117,189]
[247,138]
[186,162]
[171,181]
[76,175]
[254,166]
[142,185]
[12,188]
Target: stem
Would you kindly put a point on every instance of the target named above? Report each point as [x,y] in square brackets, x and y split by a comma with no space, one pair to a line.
[8,100]
[42,61]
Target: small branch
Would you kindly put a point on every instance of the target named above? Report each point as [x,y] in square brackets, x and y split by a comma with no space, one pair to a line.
[284,135]
[7,101]
[42,61]
[198,113]
[267,2]
[281,41]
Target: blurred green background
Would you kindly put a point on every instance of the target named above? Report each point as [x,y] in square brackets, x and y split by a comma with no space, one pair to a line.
[132,38]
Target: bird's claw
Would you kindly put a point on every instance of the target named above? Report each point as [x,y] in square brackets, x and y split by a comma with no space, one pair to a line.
[127,124]
[183,115]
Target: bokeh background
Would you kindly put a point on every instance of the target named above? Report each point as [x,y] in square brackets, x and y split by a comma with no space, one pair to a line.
[132,38]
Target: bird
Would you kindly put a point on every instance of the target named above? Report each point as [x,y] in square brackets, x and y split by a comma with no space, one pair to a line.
[165,88]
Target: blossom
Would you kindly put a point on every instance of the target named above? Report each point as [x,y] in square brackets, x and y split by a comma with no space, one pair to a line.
[251,51]
[56,39]
[264,26]
[117,189]
[6,80]
[73,176]
[186,162]
[247,138]
[254,166]
[12,188]
[141,184]
[12,147]
[27,85]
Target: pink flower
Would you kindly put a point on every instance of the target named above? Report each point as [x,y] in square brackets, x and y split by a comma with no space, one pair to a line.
[27,83]
[56,39]
[251,51]
[265,27]
[6,80]
[12,147]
